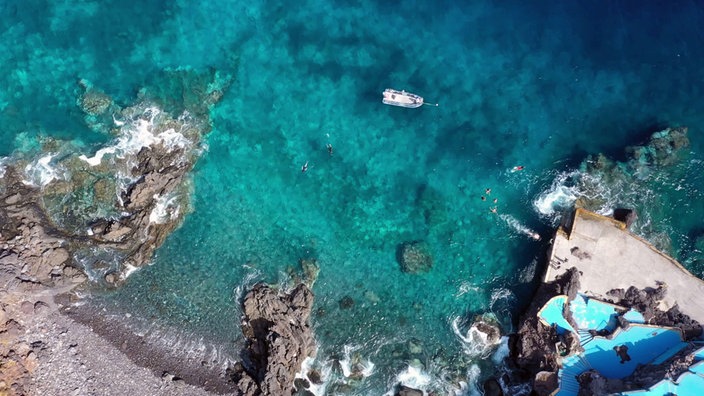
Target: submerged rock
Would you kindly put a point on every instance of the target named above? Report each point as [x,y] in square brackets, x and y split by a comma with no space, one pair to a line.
[661,150]
[279,338]
[346,302]
[414,257]
[93,101]
[601,184]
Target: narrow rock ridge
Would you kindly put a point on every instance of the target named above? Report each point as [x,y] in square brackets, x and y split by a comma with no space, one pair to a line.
[279,338]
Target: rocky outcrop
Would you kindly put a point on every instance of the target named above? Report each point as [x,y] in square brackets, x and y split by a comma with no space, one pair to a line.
[56,210]
[534,346]
[600,181]
[279,338]
[532,349]
[34,259]
[646,301]
[661,150]
[414,257]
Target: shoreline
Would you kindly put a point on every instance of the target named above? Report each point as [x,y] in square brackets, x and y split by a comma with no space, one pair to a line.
[73,358]
[191,367]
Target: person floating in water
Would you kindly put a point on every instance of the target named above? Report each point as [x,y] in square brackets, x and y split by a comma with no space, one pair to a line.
[329,147]
[517,168]
[304,168]
[622,353]
[488,191]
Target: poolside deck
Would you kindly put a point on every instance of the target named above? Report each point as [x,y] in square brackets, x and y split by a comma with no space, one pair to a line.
[610,257]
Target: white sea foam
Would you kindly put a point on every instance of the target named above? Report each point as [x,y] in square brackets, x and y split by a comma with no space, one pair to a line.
[117,122]
[500,294]
[558,197]
[137,134]
[567,187]
[516,225]
[325,371]
[165,210]
[41,172]
[501,352]
[466,287]
[471,388]
[354,363]
[2,167]
[128,270]
[98,157]
[528,273]
[414,377]
[475,342]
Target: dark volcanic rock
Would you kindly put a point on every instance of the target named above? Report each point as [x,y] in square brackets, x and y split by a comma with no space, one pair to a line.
[407,391]
[625,216]
[414,257]
[279,338]
[532,350]
[545,383]
[492,387]
[592,383]
[52,226]
[646,301]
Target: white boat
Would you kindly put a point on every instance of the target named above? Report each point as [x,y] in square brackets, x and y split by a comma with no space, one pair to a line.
[403,99]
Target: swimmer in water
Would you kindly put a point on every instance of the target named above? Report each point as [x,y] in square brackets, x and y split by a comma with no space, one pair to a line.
[329,147]
[535,236]
[496,200]
[304,168]
[517,168]
[483,198]
[493,210]
[488,191]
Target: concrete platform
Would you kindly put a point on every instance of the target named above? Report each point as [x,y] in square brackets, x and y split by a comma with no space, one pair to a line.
[610,257]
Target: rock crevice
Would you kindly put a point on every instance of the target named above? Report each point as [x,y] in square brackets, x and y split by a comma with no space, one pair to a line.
[279,338]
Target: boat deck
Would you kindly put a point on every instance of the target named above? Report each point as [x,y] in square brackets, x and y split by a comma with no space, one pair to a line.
[401,98]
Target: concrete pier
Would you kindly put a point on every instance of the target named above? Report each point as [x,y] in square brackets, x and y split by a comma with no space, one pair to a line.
[610,257]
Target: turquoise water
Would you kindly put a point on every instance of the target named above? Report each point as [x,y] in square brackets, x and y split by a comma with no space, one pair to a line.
[538,85]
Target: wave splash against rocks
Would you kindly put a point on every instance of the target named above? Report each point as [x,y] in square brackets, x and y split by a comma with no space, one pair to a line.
[64,216]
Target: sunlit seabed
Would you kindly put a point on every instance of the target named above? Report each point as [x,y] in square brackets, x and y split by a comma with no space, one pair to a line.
[542,94]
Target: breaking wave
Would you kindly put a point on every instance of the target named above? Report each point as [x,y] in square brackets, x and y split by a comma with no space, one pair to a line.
[42,171]
[569,187]
[474,342]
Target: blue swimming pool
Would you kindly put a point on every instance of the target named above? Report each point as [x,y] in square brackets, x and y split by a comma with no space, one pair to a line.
[593,314]
[637,344]
[551,314]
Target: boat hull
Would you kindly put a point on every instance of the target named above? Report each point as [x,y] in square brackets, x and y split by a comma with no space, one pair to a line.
[400,104]
[393,97]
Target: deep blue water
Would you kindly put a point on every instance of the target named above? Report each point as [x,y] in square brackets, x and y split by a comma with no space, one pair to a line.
[536,84]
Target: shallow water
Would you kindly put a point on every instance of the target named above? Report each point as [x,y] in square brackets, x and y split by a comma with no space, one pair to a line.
[540,85]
